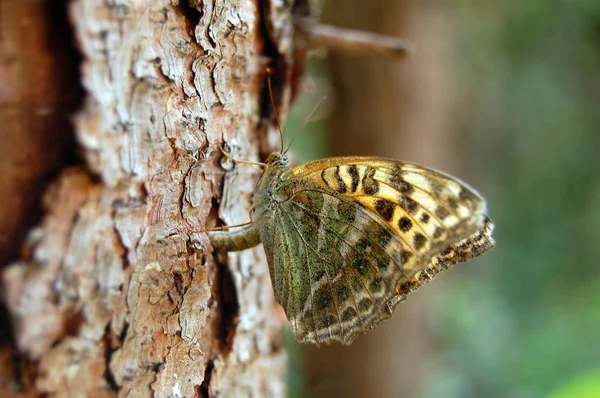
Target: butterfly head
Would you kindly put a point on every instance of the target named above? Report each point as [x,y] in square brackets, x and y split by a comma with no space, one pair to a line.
[278,159]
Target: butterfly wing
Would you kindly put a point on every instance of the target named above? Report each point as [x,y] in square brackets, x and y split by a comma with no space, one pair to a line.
[332,264]
[352,236]
[427,209]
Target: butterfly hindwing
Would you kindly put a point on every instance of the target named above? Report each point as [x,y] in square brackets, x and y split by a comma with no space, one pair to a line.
[343,265]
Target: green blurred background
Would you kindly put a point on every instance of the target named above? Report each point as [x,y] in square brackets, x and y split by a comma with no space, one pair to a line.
[517,84]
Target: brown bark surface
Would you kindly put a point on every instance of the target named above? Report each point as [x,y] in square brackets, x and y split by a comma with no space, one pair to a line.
[116,292]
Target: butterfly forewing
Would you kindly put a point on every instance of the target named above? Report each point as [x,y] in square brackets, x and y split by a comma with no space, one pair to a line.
[468,248]
[427,209]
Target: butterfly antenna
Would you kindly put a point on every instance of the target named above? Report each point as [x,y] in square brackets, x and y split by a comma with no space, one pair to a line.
[310,115]
[274,107]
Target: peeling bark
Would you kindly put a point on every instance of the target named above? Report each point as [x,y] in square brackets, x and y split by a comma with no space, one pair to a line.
[116,292]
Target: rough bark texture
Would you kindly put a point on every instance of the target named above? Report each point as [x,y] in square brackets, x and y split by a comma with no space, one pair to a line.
[401,110]
[116,291]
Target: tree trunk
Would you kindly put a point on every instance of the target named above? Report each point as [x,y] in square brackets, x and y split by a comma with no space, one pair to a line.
[116,291]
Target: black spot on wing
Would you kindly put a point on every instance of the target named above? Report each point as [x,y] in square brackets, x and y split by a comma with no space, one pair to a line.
[453,203]
[405,224]
[324,179]
[441,212]
[405,256]
[447,251]
[310,223]
[341,293]
[349,314]
[365,304]
[401,186]
[328,321]
[341,187]
[466,195]
[437,233]
[382,236]
[419,241]
[376,285]
[407,287]
[321,299]
[353,171]
[408,204]
[360,265]
[355,283]
[369,185]
[366,252]
[385,208]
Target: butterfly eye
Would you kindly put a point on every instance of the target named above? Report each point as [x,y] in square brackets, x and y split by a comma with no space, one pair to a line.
[272,158]
[277,158]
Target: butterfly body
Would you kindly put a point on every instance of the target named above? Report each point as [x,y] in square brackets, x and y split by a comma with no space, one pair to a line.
[348,238]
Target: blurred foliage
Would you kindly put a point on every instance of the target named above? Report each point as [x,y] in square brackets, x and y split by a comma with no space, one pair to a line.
[525,319]
[583,386]
[296,384]
[310,135]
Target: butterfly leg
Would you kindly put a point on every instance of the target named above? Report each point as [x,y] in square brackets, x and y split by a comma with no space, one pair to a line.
[243,238]
[227,227]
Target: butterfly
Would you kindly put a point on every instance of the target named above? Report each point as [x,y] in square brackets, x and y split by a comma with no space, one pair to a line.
[348,238]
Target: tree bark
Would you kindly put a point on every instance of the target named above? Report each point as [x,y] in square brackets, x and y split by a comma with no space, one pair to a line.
[116,292]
